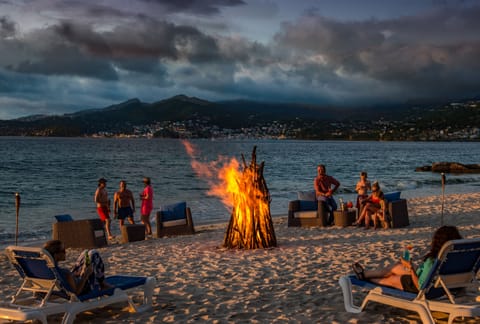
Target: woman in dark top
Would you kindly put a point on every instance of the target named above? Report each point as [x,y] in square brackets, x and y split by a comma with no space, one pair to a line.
[88,273]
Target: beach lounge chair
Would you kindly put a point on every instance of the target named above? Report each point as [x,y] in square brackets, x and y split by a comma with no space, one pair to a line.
[455,270]
[44,292]
[174,219]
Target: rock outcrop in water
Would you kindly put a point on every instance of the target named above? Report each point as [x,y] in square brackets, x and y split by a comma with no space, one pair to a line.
[450,167]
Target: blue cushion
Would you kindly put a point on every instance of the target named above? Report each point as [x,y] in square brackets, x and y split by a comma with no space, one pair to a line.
[308,205]
[392,196]
[307,195]
[173,211]
[64,218]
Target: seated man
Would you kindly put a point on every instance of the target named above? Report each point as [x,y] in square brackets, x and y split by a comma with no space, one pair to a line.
[324,192]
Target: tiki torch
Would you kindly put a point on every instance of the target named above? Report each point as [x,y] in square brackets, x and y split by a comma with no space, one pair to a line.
[17,208]
[443,196]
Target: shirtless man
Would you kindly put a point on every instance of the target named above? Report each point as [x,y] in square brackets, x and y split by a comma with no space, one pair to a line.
[124,204]
[103,205]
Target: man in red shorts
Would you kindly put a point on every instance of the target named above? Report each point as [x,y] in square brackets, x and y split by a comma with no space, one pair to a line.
[103,205]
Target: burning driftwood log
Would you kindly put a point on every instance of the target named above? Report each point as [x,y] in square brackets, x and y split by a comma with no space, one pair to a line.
[251,225]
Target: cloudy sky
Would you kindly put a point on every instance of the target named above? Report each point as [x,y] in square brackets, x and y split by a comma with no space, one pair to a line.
[59,56]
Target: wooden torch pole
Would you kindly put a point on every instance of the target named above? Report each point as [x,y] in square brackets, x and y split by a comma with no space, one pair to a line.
[443,196]
[17,208]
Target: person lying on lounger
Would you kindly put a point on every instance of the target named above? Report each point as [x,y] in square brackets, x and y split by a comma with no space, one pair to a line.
[88,274]
[403,275]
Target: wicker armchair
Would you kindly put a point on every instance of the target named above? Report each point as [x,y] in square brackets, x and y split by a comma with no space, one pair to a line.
[174,219]
[306,213]
[396,211]
[85,233]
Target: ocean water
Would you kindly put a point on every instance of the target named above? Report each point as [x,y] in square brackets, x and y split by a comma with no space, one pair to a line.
[59,175]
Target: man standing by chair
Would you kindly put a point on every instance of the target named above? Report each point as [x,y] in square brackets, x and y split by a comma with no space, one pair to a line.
[123,204]
[325,186]
[103,205]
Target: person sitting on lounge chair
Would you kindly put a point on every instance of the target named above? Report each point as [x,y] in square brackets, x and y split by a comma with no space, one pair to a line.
[88,273]
[403,275]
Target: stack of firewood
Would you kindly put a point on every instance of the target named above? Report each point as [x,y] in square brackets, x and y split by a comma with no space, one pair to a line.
[251,225]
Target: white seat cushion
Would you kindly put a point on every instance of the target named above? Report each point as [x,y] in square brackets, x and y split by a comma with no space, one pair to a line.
[305,214]
[176,222]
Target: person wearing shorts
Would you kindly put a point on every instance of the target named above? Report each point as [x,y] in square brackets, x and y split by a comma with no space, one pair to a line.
[103,205]
[124,204]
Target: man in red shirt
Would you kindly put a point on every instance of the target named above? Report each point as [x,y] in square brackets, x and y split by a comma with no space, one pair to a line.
[325,186]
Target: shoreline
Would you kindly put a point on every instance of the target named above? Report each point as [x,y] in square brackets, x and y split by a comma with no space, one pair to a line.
[199,280]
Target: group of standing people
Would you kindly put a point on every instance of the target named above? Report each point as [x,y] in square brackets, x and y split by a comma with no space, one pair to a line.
[124,205]
[367,204]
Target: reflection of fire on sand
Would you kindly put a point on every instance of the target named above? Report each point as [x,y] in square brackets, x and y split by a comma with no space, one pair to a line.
[251,224]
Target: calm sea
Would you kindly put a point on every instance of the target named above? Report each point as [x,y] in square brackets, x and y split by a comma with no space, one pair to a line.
[59,175]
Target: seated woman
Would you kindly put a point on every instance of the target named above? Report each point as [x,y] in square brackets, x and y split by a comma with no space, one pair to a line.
[403,275]
[88,273]
[362,188]
[371,206]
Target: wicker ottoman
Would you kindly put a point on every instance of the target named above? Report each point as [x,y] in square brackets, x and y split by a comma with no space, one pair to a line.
[344,218]
[133,233]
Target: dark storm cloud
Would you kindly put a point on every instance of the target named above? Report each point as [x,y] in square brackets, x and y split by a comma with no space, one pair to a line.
[7,27]
[76,49]
[149,39]
[43,52]
[429,55]
[147,48]
[204,7]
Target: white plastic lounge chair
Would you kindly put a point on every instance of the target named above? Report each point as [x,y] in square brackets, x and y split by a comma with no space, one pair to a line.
[44,292]
[456,267]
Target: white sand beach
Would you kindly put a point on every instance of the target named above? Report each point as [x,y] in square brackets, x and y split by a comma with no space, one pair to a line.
[199,281]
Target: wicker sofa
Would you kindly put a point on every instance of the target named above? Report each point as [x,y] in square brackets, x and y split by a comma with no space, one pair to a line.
[83,233]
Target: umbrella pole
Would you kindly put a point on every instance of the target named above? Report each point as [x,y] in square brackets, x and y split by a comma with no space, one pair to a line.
[443,196]
[17,208]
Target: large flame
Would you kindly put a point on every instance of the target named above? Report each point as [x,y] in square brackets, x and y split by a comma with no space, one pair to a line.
[215,173]
[224,177]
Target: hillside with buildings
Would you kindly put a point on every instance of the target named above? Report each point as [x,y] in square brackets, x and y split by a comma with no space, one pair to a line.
[187,117]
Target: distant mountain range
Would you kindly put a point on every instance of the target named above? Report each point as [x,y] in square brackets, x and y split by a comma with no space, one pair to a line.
[121,118]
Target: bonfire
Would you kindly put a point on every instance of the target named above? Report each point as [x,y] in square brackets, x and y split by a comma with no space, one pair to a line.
[245,192]
[250,225]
